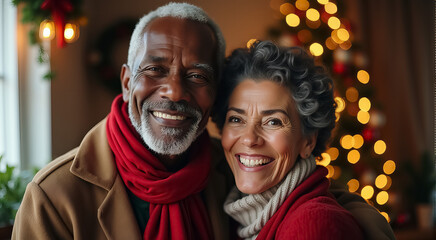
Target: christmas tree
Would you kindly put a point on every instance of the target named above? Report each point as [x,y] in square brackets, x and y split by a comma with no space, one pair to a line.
[355,156]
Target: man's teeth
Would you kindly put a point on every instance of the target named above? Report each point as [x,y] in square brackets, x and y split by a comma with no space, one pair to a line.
[168,116]
[253,163]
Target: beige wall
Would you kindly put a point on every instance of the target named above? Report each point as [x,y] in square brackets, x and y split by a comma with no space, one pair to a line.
[79,101]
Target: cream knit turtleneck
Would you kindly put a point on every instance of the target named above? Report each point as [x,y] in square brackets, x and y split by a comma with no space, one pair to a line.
[254,210]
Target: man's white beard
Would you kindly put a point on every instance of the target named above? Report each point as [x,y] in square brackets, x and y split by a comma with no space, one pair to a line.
[175,141]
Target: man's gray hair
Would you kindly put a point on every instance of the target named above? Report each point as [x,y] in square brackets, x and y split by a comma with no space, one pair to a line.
[177,10]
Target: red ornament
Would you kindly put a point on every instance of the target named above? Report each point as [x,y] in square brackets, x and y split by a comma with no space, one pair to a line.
[338,68]
[58,8]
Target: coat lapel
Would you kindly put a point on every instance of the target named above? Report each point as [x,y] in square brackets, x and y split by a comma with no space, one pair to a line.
[95,163]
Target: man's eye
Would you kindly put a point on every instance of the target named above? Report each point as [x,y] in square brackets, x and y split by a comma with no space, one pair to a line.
[198,78]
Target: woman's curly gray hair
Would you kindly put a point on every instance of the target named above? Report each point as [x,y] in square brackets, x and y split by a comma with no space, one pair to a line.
[311,87]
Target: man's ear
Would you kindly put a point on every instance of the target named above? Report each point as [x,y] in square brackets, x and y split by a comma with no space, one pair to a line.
[125,81]
[309,144]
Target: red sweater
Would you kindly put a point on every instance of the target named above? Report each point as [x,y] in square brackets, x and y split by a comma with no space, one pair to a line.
[310,212]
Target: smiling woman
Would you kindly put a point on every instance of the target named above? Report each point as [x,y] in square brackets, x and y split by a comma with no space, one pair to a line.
[277,116]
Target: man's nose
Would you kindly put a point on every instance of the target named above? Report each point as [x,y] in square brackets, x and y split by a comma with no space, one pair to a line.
[175,89]
[250,136]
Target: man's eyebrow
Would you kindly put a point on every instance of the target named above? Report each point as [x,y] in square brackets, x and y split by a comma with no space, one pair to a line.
[208,68]
[238,110]
[156,58]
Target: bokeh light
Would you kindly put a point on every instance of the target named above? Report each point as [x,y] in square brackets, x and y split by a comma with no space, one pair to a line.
[292,20]
[340,104]
[330,8]
[381,181]
[367,192]
[353,156]
[363,76]
[364,104]
[363,117]
[316,49]
[250,42]
[382,197]
[389,167]
[334,22]
[333,152]
[303,5]
[379,147]
[352,94]
[312,14]
[353,185]
[286,8]
[325,159]
[347,141]
[343,34]
[358,141]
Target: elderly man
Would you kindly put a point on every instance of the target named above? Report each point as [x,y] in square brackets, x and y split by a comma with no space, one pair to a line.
[148,170]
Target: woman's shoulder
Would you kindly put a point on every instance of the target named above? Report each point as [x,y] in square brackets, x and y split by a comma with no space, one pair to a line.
[320,217]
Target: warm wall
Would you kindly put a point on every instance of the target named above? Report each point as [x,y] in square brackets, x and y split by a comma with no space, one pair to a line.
[79,101]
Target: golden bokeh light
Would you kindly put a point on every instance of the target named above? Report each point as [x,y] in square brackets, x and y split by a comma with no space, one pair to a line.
[325,159]
[304,35]
[389,167]
[363,76]
[353,156]
[382,197]
[323,1]
[250,42]
[335,37]
[331,171]
[384,214]
[330,8]
[313,24]
[303,5]
[388,183]
[337,172]
[379,147]
[333,152]
[340,104]
[358,141]
[334,22]
[338,116]
[347,141]
[363,117]
[312,14]
[316,49]
[286,8]
[364,104]
[71,32]
[345,45]
[381,181]
[292,20]
[330,44]
[353,185]
[352,94]
[367,192]
[343,34]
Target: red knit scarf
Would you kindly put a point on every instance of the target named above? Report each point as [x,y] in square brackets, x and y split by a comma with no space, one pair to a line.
[176,208]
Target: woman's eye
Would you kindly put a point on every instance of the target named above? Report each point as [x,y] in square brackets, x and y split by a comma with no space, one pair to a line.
[275,122]
[234,120]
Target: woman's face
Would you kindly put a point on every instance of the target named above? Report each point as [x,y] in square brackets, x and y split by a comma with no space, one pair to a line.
[262,135]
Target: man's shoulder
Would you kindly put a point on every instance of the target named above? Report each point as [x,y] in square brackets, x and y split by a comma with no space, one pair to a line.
[59,166]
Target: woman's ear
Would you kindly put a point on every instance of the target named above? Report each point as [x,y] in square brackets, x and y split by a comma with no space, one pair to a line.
[125,80]
[308,145]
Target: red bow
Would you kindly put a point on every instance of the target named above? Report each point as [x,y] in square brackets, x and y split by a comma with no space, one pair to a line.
[58,9]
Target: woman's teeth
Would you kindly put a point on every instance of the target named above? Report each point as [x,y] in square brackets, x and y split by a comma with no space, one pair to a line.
[253,162]
[168,116]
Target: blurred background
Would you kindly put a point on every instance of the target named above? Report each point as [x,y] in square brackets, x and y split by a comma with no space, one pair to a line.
[55,87]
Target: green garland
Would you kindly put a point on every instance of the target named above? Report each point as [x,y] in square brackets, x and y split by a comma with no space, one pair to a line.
[33,14]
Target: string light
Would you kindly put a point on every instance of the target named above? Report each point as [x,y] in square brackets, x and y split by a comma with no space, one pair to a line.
[381,181]
[323,2]
[352,94]
[363,117]
[388,183]
[343,34]
[386,216]
[330,44]
[325,159]
[333,152]
[71,32]
[302,5]
[46,30]
[347,141]
[340,104]
[358,141]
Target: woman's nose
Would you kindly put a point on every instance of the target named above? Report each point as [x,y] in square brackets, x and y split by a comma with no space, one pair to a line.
[251,138]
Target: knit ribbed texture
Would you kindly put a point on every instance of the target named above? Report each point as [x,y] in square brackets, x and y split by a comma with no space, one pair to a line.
[254,210]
